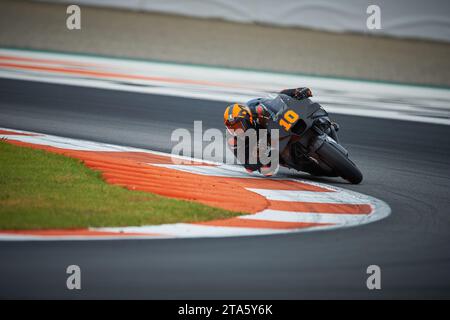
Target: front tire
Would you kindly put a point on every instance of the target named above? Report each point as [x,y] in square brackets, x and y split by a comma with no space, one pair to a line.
[340,163]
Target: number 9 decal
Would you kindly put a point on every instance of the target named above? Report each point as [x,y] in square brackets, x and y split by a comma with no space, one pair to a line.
[288,119]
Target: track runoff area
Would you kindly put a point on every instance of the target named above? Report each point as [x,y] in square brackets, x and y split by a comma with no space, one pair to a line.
[278,205]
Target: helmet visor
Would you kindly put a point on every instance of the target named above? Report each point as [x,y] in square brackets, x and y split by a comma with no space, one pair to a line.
[238,127]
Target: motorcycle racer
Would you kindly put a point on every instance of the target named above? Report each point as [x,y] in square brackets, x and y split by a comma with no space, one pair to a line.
[254,114]
[238,118]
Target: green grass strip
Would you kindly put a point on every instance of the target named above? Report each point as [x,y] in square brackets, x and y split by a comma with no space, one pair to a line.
[42,190]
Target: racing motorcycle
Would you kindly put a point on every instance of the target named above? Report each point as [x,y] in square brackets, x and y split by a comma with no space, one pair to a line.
[308,140]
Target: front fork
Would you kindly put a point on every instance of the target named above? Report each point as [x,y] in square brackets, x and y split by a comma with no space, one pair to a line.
[324,125]
[322,130]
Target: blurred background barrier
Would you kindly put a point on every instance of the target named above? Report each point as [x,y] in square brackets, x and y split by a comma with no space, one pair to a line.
[108,30]
[403,18]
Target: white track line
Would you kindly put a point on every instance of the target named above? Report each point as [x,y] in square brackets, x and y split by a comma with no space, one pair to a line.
[187,230]
[306,217]
[352,97]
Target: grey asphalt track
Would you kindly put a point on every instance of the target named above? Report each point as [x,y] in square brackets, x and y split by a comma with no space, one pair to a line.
[405,164]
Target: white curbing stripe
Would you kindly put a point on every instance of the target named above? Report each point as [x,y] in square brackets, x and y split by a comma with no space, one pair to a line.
[306,217]
[309,196]
[188,230]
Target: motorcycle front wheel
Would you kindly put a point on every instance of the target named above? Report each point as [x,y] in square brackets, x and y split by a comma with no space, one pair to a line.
[339,162]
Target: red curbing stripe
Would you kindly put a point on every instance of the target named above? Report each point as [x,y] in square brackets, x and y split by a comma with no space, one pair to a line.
[277,184]
[48,61]
[105,74]
[14,133]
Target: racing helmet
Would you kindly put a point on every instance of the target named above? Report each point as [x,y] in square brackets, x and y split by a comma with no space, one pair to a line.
[237,117]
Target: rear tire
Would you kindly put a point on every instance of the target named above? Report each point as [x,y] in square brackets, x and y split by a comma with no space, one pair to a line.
[340,163]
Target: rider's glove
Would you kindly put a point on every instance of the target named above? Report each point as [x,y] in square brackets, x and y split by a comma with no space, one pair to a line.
[298,93]
[303,93]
